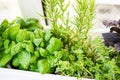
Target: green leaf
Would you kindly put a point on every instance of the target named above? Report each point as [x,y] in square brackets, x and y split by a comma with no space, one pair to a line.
[37,41]
[6,33]
[14,29]
[7,50]
[58,44]
[72,57]
[15,61]
[22,35]
[42,44]
[58,54]
[28,45]
[54,45]
[20,21]
[52,60]
[32,24]
[43,66]
[43,52]
[62,54]
[31,21]
[4,24]
[18,47]
[39,33]
[12,48]
[6,43]
[1,41]
[33,67]
[50,49]
[48,35]
[31,35]
[33,27]
[24,59]
[9,47]
[5,59]
[33,59]
[36,53]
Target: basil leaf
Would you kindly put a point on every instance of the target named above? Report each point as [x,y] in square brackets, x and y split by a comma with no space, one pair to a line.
[14,29]
[22,35]
[5,59]
[43,66]
[37,41]
[43,52]
[6,33]
[24,59]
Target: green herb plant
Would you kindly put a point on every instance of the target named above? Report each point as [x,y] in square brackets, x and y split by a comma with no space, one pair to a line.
[82,57]
[65,48]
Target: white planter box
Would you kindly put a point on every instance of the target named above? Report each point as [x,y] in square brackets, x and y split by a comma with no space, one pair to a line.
[11,74]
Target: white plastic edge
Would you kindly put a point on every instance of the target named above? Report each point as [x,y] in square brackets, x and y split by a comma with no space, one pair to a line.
[12,74]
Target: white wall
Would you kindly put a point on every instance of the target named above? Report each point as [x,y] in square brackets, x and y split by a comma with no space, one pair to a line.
[32,9]
[105,10]
[9,9]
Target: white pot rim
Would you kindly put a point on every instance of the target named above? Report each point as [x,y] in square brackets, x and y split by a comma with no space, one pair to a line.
[12,74]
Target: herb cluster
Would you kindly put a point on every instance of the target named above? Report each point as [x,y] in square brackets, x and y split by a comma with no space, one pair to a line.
[65,48]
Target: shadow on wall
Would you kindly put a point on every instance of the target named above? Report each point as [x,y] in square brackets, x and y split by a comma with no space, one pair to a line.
[106,12]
